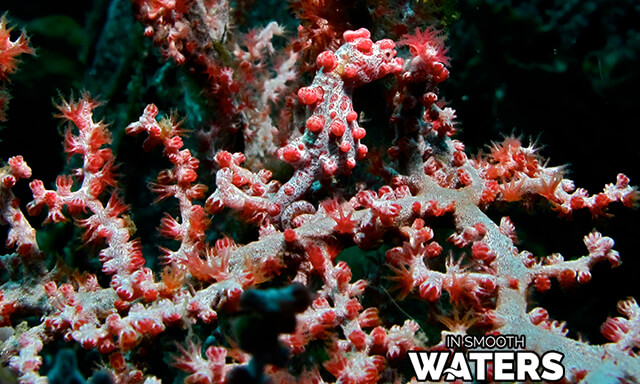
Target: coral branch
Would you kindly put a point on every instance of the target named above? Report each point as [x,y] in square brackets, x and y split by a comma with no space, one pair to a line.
[306,262]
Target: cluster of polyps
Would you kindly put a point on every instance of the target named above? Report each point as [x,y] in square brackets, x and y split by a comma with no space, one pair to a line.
[331,143]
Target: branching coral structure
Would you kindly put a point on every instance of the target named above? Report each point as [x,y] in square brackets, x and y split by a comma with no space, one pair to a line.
[278,301]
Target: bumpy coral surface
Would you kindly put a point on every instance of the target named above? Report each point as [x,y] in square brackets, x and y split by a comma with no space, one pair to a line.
[293,245]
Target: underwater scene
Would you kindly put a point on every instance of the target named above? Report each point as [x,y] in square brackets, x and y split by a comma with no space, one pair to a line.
[319,191]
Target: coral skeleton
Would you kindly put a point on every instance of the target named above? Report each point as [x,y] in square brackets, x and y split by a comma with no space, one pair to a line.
[307,192]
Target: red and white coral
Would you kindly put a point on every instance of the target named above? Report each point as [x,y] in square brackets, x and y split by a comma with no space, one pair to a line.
[484,278]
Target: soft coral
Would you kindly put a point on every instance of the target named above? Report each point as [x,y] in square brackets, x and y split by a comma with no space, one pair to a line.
[11,49]
[9,52]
